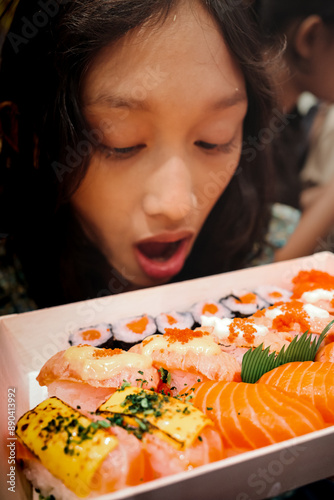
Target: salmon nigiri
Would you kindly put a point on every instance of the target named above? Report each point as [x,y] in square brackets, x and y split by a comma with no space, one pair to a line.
[251,416]
[315,287]
[86,376]
[243,333]
[189,356]
[68,455]
[312,380]
[176,436]
[326,353]
[295,317]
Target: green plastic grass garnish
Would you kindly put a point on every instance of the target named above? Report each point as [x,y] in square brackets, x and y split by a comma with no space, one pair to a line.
[257,362]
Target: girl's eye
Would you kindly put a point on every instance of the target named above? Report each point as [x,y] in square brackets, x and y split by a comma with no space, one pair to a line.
[220,148]
[121,153]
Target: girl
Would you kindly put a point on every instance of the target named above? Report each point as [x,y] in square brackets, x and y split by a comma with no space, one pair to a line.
[123,126]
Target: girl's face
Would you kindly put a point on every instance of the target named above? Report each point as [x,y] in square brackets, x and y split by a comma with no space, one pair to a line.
[168,104]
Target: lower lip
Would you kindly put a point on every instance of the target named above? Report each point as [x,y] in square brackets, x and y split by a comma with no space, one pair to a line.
[166,269]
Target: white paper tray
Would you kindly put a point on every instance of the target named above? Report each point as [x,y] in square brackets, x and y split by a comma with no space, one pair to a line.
[28,340]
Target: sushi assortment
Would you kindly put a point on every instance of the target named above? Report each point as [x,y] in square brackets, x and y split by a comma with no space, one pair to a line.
[145,397]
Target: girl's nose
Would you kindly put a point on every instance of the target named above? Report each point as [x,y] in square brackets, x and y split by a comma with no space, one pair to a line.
[169,191]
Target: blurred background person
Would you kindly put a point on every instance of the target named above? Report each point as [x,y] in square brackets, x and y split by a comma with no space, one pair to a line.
[303,151]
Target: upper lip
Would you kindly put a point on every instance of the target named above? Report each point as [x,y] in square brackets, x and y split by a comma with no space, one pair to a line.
[167,237]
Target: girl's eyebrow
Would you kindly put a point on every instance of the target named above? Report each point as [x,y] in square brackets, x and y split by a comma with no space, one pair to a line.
[130,102]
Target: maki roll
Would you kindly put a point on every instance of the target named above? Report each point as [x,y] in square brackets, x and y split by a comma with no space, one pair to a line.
[130,331]
[174,320]
[243,303]
[96,336]
[210,308]
[273,294]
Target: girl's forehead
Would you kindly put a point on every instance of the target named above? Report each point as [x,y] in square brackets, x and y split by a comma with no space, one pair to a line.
[186,42]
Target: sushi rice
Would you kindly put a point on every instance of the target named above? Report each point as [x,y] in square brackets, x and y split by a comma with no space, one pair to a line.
[130,331]
[174,319]
[210,308]
[273,294]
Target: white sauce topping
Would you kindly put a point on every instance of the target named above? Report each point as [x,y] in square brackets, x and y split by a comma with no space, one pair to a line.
[221,326]
[273,313]
[199,345]
[83,361]
[222,330]
[315,312]
[316,295]
[261,330]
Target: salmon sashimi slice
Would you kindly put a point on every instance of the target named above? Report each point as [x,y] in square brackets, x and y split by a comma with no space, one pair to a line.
[250,417]
[326,353]
[312,380]
[85,375]
[189,356]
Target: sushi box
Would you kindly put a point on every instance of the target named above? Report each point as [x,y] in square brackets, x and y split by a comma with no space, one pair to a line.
[27,340]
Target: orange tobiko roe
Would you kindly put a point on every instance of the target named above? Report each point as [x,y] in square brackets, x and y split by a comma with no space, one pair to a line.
[292,312]
[138,325]
[314,276]
[102,353]
[183,335]
[311,280]
[243,325]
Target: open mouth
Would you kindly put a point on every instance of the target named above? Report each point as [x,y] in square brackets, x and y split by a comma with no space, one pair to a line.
[159,251]
[161,260]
